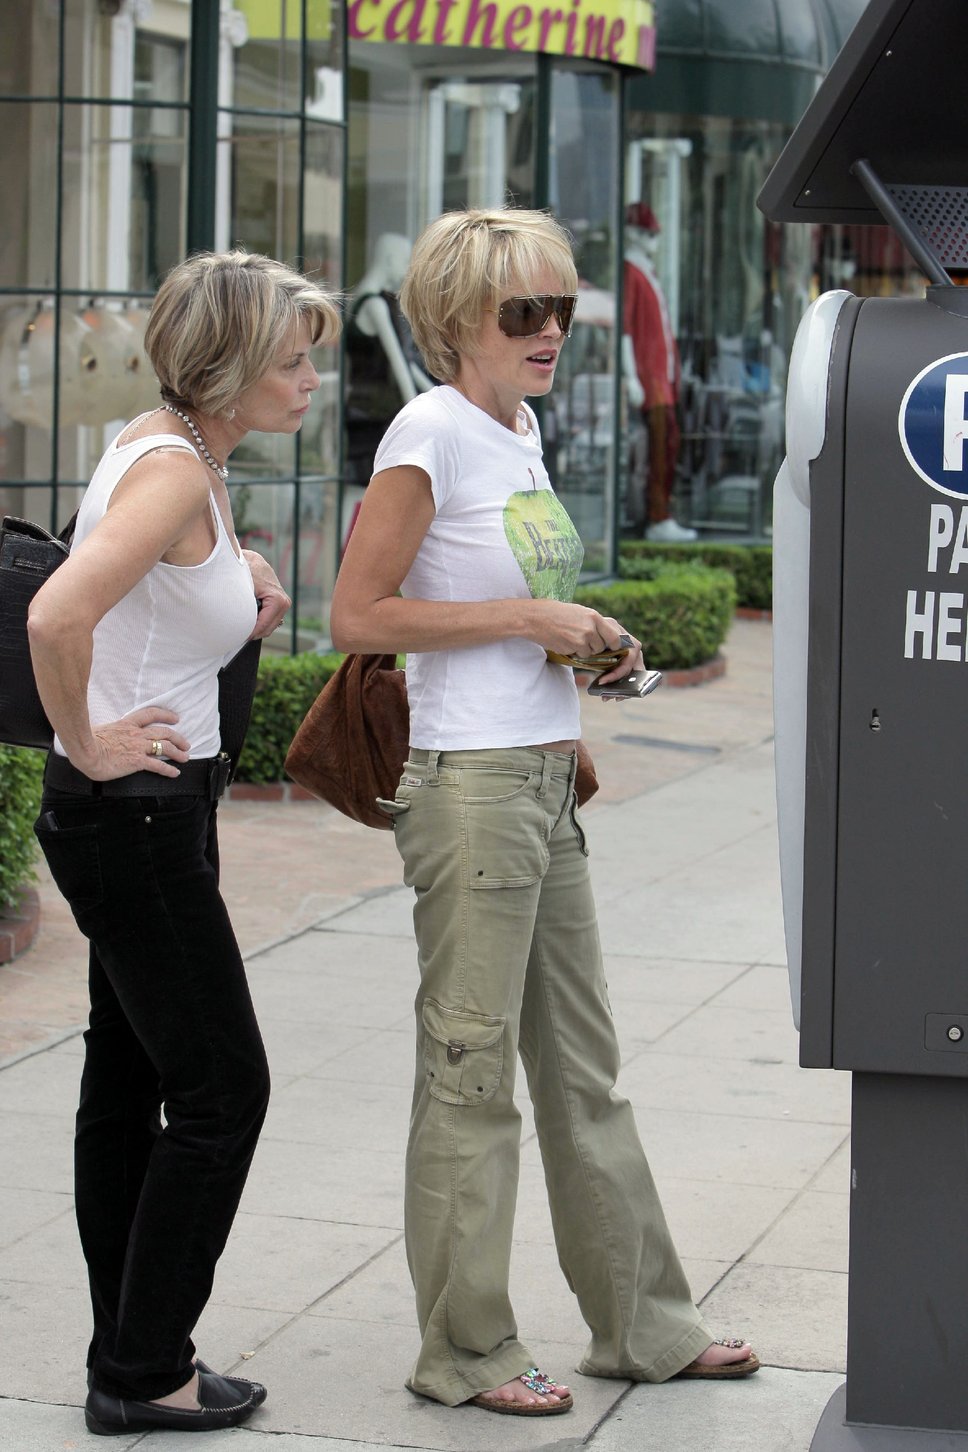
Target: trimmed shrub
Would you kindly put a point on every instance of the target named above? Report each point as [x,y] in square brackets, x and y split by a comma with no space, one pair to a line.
[21,777]
[750,565]
[681,613]
[287,686]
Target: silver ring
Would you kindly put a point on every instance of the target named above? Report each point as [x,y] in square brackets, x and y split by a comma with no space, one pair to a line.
[156,748]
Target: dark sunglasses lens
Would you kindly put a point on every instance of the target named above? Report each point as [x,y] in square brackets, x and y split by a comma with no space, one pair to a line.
[521,317]
[565,312]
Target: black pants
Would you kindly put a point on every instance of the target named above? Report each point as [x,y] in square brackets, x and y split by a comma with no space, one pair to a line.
[171,1026]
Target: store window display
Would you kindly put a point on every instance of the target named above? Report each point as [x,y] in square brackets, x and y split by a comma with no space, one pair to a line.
[383,368]
[650,360]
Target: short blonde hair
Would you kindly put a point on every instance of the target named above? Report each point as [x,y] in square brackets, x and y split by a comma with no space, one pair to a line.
[464,263]
[219,320]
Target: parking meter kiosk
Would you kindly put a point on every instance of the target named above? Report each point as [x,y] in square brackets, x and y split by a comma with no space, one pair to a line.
[871,685]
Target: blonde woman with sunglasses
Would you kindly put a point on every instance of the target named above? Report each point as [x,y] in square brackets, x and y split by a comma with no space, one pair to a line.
[464,558]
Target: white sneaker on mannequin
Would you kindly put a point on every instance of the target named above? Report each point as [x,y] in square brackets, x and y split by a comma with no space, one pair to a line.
[669,531]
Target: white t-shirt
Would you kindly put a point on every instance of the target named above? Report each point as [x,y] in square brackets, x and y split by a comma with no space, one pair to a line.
[164,642]
[499,533]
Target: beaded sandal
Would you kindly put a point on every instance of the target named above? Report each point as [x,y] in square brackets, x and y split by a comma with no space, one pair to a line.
[701,1371]
[535,1381]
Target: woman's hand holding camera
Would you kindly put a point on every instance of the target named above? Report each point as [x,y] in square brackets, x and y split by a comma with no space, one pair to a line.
[577,630]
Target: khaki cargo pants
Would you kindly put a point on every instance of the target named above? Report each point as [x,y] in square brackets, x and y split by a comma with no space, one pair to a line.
[510,963]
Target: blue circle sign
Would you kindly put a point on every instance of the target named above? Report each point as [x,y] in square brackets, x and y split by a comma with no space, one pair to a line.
[933,425]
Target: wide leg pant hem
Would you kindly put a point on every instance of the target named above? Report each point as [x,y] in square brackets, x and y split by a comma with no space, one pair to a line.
[492,1372]
[669,1364]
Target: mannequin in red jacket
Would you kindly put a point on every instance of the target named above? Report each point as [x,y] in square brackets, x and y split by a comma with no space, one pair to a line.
[651,366]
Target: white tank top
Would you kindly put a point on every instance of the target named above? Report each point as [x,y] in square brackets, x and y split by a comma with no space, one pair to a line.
[164,643]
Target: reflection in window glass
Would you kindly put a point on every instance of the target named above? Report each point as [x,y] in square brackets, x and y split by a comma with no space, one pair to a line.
[323,203]
[733,288]
[579,415]
[270,65]
[124,186]
[319,535]
[28,186]
[267,59]
[26,370]
[262,514]
[160,68]
[104,378]
[28,55]
[265,184]
[325,20]
[88,33]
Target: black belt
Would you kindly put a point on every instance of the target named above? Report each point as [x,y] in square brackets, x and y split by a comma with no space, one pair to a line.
[203,777]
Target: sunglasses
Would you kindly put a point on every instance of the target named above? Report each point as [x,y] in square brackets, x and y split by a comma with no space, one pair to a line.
[522,317]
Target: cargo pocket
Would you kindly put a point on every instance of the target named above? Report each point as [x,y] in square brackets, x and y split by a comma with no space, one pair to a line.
[463,1054]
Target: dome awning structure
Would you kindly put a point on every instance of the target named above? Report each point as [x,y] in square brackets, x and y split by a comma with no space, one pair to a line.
[746,59]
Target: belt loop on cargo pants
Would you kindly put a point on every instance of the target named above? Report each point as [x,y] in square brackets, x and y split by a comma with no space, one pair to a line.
[432,778]
[546,771]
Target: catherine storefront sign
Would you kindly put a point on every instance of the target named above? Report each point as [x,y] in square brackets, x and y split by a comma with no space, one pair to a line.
[620,31]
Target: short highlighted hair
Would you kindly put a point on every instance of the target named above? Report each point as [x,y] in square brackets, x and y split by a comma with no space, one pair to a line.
[219,320]
[466,262]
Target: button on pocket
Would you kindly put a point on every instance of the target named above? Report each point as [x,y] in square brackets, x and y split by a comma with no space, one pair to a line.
[463,1054]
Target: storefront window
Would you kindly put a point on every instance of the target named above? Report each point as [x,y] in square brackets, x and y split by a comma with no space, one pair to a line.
[733,288]
[431,130]
[28,185]
[100,222]
[434,130]
[726,290]
[103,219]
[579,414]
[279,180]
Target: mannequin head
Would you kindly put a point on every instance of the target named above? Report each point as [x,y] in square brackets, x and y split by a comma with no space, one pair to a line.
[641,229]
[391,258]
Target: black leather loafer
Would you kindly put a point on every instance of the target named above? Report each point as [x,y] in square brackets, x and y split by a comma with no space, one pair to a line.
[221,1405]
[258,1391]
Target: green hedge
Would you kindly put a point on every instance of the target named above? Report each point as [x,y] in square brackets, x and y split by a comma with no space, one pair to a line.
[286,688]
[680,613]
[21,776]
[750,565]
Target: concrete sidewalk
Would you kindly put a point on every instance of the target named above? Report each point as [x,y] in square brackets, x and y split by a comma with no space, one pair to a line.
[312,1295]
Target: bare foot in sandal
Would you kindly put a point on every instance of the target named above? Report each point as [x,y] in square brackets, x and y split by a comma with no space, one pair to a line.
[723,1359]
[530,1394]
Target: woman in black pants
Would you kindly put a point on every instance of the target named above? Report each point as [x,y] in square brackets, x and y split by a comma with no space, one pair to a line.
[127,640]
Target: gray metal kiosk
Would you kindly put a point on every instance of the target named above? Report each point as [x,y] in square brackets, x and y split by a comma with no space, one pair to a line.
[871,649]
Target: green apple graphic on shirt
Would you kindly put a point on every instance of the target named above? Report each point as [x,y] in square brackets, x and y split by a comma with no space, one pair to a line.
[545,543]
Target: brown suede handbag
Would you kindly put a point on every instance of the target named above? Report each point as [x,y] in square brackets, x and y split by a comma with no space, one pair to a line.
[352,745]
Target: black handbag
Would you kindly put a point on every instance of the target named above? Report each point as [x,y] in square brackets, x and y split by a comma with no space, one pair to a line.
[29,555]
[236,692]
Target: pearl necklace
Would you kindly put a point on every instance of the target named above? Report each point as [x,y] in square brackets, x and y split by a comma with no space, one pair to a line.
[220,470]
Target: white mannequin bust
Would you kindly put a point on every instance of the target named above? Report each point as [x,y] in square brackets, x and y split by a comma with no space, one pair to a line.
[386,272]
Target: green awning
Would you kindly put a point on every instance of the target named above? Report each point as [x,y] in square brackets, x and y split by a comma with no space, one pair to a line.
[747,59]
